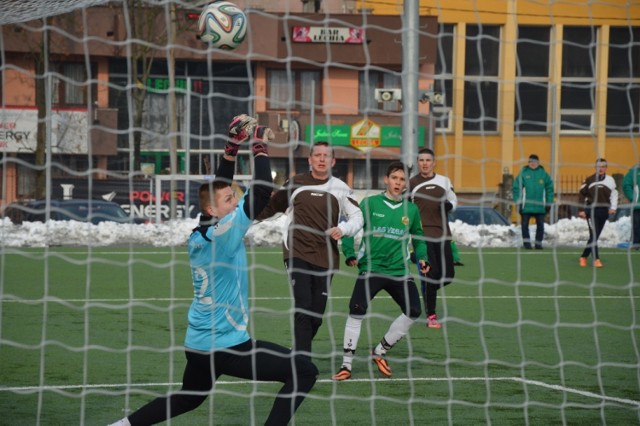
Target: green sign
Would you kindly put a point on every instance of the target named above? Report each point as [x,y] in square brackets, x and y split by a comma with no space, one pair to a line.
[340,135]
[162,85]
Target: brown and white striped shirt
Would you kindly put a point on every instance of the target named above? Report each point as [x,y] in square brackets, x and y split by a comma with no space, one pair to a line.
[430,195]
[313,206]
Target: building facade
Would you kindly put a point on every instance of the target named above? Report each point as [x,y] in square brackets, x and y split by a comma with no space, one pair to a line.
[561,81]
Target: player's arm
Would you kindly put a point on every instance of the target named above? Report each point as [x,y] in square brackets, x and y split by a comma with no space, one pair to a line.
[349,252]
[452,199]
[260,192]
[355,219]
[418,241]
[515,189]
[613,198]
[627,185]
[239,130]
[548,191]
[348,243]
[583,198]
[278,203]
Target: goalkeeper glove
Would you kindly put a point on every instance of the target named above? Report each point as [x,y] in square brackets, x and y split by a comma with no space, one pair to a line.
[240,129]
[261,137]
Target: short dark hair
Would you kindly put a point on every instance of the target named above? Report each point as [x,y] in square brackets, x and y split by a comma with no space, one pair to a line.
[427,151]
[208,189]
[395,166]
[320,143]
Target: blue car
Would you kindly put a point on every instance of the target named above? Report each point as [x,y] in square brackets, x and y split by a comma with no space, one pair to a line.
[81,210]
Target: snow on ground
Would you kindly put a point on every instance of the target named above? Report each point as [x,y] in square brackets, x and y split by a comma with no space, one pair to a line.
[565,233]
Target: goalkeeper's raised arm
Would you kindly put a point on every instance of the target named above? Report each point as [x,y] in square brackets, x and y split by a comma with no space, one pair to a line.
[217,341]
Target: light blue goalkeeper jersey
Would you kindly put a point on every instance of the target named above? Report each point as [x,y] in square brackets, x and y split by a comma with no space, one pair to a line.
[219,313]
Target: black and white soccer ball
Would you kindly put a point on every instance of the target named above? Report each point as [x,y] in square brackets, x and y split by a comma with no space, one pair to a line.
[222,25]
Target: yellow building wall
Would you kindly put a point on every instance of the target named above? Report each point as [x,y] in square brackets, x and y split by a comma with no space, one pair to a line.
[575,12]
[479,159]
[476,162]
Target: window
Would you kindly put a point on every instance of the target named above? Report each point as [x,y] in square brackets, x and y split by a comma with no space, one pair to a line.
[368,81]
[444,77]
[371,176]
[292,89]
[532,79]
[623,88]
[482,59]
[71,85]
[577,95]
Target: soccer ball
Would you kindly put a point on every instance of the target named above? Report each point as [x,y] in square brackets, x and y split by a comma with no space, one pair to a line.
[223,25]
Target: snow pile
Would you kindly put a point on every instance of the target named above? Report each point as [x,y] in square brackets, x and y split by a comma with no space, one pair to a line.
[565,233]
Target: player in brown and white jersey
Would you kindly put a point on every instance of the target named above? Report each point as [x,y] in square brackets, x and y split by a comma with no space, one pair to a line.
[599,198]
[435,198]
[320,209]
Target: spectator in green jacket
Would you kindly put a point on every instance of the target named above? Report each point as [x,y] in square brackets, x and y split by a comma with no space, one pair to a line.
[533,194]
[631,189]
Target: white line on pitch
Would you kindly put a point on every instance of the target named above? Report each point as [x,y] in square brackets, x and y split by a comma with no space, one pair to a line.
[26,389]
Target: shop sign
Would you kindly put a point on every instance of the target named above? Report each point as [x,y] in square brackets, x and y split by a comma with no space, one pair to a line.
[157,85]
[364,134]
[343,35]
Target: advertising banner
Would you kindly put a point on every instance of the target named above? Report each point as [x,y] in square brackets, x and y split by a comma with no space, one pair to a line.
[19,128]
[134,196]
[364,134]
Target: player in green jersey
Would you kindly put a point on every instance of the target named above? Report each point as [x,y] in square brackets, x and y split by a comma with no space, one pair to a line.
[391,223]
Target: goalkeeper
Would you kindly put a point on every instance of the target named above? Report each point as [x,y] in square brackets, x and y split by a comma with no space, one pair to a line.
[217,341]
[390,222]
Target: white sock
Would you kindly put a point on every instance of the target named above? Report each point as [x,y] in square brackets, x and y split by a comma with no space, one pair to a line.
[398,329]
[351,337]
[121,422]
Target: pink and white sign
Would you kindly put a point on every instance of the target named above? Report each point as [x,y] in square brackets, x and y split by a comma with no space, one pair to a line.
[328,35]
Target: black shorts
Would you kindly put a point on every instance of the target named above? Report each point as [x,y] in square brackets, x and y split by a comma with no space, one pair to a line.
[402,290]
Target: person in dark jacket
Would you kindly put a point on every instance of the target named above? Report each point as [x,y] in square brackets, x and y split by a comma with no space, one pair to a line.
[533,194]
[599,197]
[631,189]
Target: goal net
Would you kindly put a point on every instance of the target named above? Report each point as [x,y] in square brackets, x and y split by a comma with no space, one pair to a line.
[119,103]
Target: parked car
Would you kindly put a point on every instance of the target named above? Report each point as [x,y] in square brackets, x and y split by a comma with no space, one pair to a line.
[81,210]
[478,215]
